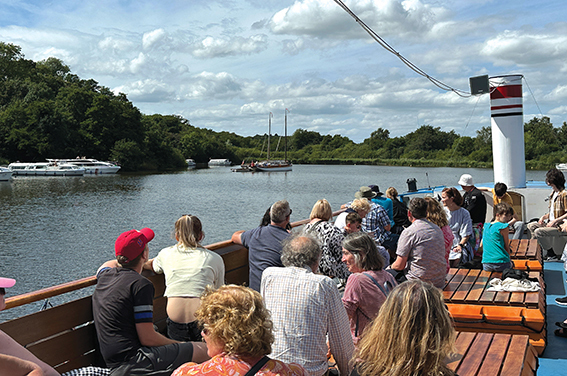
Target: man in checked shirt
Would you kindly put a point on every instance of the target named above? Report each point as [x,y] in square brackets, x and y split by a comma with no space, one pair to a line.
[306,309]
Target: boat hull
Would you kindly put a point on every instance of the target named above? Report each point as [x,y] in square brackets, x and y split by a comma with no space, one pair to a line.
[275,168]
[5,174]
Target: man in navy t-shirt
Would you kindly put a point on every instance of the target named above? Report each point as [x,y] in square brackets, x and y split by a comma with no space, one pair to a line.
[264,243]
[123,315]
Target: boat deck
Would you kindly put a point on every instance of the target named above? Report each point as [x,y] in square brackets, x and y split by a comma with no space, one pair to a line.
[553,361]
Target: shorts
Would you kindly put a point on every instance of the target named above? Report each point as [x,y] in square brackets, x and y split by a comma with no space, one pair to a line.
[496,267]
[156,361]
[184,332]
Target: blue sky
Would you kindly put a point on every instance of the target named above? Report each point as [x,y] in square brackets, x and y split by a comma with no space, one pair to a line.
[225,65]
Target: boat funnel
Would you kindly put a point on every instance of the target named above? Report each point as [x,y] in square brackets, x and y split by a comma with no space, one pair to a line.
[507,120]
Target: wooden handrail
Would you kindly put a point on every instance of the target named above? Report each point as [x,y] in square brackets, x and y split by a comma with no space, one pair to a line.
[50,292]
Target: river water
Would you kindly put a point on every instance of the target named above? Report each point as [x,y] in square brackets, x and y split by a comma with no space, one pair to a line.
[55,230]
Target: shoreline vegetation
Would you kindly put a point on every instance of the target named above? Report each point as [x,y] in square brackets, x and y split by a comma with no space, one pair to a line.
[48,112]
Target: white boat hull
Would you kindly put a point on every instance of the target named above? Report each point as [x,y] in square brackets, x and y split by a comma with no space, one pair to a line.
[275,168]
[5,174]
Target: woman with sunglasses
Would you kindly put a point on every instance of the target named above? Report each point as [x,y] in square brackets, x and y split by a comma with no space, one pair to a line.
[189,269]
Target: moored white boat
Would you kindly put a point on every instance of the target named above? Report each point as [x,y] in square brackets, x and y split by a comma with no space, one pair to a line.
[562,167]
[219,162]
[45,169]
[5,174]
[190,163]
[268,166]
[91,166]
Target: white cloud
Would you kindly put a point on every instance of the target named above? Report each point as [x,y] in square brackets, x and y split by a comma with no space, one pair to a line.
[210,47]
[154,38]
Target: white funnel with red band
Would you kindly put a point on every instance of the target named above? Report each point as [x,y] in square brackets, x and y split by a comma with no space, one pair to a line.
[507,119]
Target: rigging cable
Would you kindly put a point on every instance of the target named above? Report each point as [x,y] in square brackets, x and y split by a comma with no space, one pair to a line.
[390,49]
[533,96]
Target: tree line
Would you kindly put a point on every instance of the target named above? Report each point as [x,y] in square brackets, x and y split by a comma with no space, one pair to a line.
[48,112]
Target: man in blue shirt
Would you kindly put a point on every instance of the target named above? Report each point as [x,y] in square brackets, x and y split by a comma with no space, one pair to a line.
[264,243]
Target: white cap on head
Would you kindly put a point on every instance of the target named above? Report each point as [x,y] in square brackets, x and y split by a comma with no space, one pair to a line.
[466,180]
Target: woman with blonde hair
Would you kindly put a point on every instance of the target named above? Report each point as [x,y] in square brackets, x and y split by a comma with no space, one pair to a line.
[189,269]
[412,335]
[400,211]
[331,239]
[238,331]
[437,215]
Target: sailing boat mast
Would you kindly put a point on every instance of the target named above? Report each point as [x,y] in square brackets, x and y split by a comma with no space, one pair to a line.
[285,134]
[269,132]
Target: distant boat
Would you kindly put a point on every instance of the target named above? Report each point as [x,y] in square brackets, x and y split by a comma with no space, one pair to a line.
[91,166]
[219,162]
[275,165]
[5,174]
[562,167]
[190,163]
[45,169]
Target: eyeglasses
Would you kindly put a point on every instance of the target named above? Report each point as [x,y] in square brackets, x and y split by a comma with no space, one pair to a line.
[290,211]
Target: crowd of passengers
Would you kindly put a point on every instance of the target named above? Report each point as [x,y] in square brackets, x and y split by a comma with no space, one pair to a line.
[365,290]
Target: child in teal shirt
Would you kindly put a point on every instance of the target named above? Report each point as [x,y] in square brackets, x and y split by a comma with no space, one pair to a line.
[495,240]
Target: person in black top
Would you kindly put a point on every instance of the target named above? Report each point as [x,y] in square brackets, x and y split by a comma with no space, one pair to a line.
[123,315]
[401,220]
[475,202]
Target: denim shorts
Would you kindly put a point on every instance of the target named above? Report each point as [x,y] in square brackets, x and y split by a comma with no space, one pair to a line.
[496,267]
[184,332]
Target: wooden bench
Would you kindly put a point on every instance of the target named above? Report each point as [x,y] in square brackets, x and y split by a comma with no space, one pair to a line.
[64,336]
[526,249]
[493,354]
[475,309]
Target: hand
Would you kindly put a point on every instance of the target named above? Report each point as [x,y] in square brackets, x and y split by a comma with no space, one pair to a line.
[551,223]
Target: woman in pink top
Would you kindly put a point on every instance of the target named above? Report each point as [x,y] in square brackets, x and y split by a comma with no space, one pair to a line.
[368,285]
[436,214]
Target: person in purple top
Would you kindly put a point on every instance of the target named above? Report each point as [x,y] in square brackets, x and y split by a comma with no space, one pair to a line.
[421,248]
[264,243]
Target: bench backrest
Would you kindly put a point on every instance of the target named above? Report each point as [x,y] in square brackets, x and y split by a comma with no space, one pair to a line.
[64,336]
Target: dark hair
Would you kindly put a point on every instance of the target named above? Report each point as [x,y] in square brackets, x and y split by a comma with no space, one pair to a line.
[2,291]
[364,250]
[503,208]
[454,193]
[123,261]
[500,189]
[555,177]
[266,218]
[418,208]
[353,218]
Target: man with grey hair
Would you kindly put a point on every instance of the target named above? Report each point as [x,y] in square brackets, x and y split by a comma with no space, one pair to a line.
[421,248]
[264,243]
[306,309]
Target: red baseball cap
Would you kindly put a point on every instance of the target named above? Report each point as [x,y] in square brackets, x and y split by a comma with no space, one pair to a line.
[130,244]
[6,282]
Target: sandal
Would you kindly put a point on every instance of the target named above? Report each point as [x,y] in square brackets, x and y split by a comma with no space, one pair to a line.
[560,333]
[561,324]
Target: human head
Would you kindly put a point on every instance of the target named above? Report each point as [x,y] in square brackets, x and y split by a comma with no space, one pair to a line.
[321,210]
[353,223]
[376,189]
[130,246]
[453,193]
[466,180]
[280,211]
[391,193]
[301,250]
[500,189]
[5,283]
[435,212]
[418,208]
[555,177]
[189,231]
[365,192]
[419,342]
[503,208]
[361,206]
[363,249]
[266,218]
[235,318]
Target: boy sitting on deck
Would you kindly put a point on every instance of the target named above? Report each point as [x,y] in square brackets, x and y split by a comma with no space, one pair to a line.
[500,194]
[123,315]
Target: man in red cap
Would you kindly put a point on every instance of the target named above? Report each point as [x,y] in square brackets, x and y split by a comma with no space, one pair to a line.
[123,315]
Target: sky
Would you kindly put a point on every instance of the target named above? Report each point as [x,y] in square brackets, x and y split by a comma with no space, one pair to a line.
[225,65]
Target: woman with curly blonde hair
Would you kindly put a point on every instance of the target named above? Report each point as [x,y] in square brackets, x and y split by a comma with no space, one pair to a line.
[412,335]
[238,331]
[436,214]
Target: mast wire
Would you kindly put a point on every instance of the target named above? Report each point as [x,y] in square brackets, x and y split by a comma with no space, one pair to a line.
[408,63]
